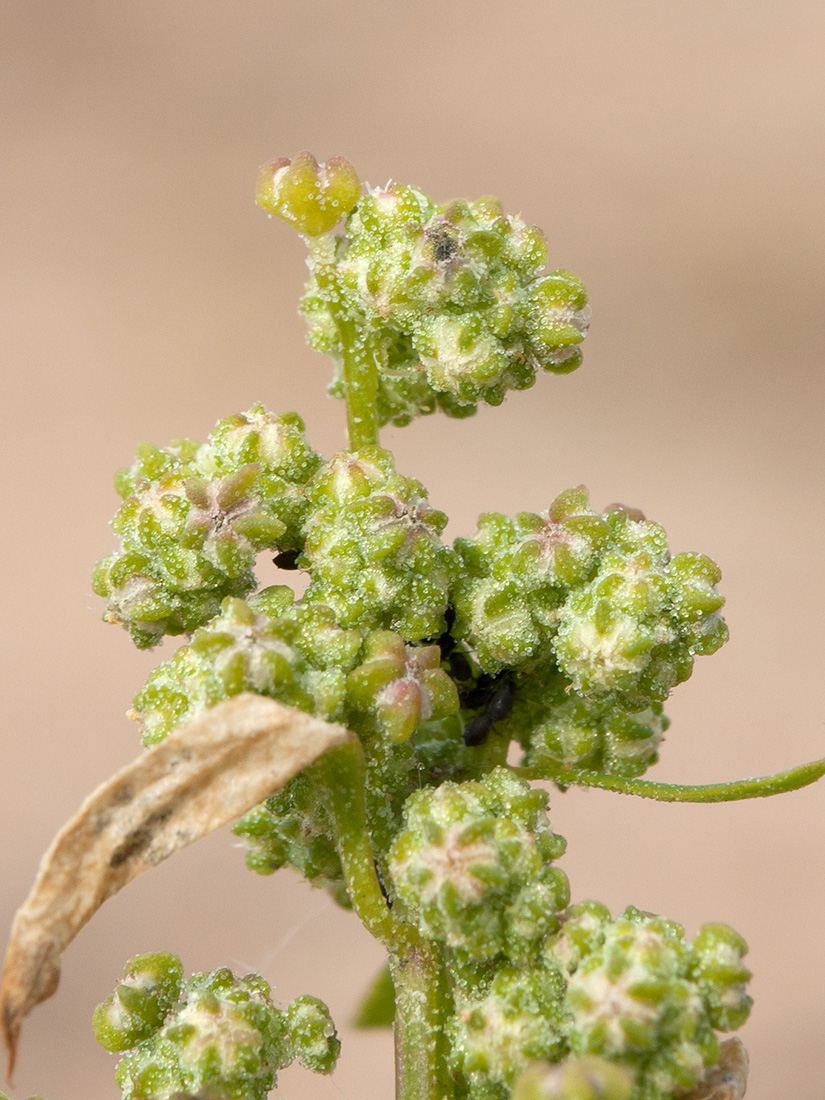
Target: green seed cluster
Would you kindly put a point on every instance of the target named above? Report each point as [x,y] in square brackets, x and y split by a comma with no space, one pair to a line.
[561,729]
[630,999]
[473,865]
[217,1035]
[641,995]
[519,1017]
[373,547]
[599,595]
[450,299]
[194,517]
[293,829]
[293,653]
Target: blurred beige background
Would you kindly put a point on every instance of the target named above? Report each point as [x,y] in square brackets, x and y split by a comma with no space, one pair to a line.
[673,152]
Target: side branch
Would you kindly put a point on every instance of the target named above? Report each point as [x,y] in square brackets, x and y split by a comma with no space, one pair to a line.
[734,791]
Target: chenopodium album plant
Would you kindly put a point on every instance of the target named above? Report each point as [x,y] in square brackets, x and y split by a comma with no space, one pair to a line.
[562,630]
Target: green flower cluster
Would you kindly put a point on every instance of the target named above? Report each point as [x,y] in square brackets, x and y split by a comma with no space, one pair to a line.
[599,595]
[561,729]
[373,547]
[473,866]
[639,994]
[494,1034]
[450,299]
[293,829]
[217,1035]
[194,517]
[629,994]
[293,653]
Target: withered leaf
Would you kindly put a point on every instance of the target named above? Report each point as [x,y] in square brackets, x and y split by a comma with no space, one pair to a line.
[205,774]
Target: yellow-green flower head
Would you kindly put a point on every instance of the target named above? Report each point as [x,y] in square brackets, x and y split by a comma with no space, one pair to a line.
[559,728]
[311,197]
[473,865]
[453,299]
[373,547]
[400,686]
[639,994]
[194,518]
[598,594]
[494,1036]
[225,1038]
[297,655]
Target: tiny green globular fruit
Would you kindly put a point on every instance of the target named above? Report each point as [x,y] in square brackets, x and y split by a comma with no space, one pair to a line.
[598,595]
[495,1035]
[560,729]
[295,654]
[640,995]
[294,828]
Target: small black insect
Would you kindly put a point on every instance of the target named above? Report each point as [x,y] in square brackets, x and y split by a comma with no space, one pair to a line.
[383,887]
[287,559]
[499,705]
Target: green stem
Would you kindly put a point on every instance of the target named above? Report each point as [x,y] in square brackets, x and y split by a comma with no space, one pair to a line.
[358,352]
[733,791]
[421,1006]
[343,772]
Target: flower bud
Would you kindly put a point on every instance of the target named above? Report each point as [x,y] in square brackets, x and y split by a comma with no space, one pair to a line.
[311,197]
[194,517]
[401,685]
[140,1003]
[312,1033]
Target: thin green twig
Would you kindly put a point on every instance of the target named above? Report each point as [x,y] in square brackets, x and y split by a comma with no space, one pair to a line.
[733,791]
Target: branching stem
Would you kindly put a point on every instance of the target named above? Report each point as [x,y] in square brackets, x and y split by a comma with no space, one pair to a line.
[343,772]
[734,791]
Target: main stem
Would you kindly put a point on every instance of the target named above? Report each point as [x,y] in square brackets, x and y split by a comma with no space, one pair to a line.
[421,1000]
[422,996]
[358,352]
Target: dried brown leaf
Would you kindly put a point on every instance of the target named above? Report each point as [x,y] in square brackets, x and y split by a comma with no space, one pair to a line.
[205,774]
